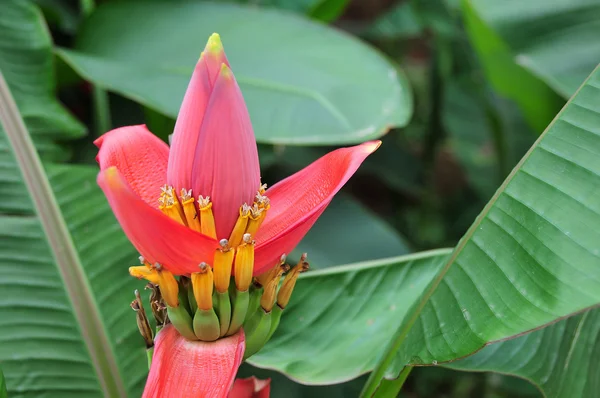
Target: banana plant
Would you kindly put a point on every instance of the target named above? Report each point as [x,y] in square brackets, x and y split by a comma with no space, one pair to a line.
[529,260]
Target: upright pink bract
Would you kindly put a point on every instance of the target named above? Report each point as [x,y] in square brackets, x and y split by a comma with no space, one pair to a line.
[214,154]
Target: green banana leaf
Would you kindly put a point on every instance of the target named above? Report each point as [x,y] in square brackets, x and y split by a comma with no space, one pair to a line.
[342,234]
[328,10]
[530,258]
[561,359]
[538,102]
[304,83]
[3,392]
[26,60]
[66,326]
[556,40]
[341,317]
[323,10]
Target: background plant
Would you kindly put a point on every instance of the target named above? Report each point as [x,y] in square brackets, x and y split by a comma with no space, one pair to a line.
[486,79]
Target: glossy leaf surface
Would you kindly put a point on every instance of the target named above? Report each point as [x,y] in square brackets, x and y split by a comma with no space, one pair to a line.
[3,392]
[39,333]
[306,84]
[561,360]
[537,101]
[347,233]
[554,39]
[27,64]
[531,257]
[340,318]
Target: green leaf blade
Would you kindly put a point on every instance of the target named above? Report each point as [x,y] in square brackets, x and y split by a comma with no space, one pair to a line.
[3,392]
[61,246]
[318,87]
[342,233]
[26,60]
[536,100]
[340,318]
[555,40]
[561,359]
[530,258]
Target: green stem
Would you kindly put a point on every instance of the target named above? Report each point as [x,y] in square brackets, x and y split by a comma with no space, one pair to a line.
[149,355]
[102,119]
[77,286]
[391,388]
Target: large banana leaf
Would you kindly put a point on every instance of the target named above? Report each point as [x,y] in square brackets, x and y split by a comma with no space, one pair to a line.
[531,257]
[3,392]
[556,40]
[341,317]
[45,348]
[342,233]
[304,83]
[27,64]
[536,100]
[561,360]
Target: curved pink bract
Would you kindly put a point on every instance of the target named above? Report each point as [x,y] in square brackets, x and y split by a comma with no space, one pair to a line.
[299,200]
[140,156]
[157,237]
[182,368]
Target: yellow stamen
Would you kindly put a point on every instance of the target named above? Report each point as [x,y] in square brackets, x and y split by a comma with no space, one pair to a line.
[222,264]
[262,189]
[173,212]
[168,286]
[240,226]
[202,283]
[287,287]
[244,264]
[144,272]
[157,275]
[267,301]
[191,215]
[264,278]
[207,220]
[170,206]
[257,216]
[262,201]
